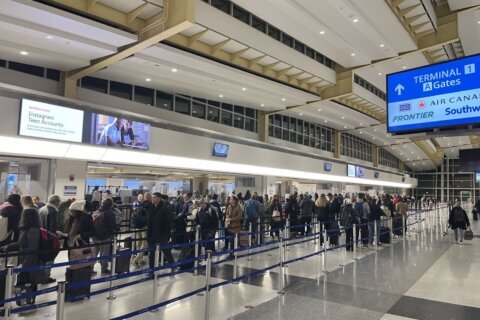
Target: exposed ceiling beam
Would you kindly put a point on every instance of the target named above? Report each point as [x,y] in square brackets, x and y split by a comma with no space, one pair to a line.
[135,12]
[217,47]
[196,37]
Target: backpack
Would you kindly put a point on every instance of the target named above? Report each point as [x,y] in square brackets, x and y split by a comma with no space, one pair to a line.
[118,216]
[98,218]
[251,210]
[49,246]
[359,208]
[4,234]
[458,217]
[140,218]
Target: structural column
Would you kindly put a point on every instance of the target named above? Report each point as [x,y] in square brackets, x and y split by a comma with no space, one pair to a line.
[338,143]
[262,123]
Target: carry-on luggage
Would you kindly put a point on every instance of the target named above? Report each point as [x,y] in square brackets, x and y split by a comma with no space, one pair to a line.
[186,254]
[81,254]
[384,235]
[333,233]
[74,276]
[475,215]
[468,234]
[398,226]
[243,239]
[128,243]
[122,263]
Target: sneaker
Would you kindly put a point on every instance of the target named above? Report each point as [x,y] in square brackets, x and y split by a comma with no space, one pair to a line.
[461,242]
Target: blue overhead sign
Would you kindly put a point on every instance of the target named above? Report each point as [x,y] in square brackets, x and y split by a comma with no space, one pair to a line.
[440,95]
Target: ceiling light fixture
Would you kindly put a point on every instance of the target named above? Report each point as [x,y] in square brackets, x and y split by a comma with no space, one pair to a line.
[404,67]
[24,53]
[322,32]
[174,70]
[325,121]
[355,20]
[373,138]
[300,114]
[380,73]
[49,37]
[262,105]
[353,54]
[319,109]
[382,45]
[342,117]
[220,95]
[345,127]
[244,89]
[283,99]
[148,79]
[361,132]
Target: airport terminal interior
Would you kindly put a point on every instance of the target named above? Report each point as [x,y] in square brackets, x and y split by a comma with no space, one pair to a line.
[240,159]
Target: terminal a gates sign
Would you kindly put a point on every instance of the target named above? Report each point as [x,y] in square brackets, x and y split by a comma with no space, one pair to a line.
[440,95]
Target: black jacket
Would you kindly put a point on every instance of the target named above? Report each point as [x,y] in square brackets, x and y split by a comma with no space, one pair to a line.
[13,215]
[48,218]
[454,224]
[86,228]
[159,223]
[207,219]
[323,213]
[107,225]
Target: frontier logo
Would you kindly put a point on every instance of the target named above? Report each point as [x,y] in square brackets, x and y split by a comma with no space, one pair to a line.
[405,107]
[422,104]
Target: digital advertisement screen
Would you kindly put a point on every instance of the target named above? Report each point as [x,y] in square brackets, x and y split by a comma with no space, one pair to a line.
[440,95]
[220,150]
[49,121]
[119,132]
[477,176]
[469,160]
[350,170]
[360,172]
[328,166]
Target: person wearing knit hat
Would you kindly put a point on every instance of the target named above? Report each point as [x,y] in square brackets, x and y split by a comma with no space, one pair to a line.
[78,205]
[79,227]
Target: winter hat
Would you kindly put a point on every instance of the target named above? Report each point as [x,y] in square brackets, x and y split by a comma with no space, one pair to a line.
[78,205]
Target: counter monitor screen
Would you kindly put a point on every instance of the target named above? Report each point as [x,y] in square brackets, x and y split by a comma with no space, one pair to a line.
[220,150]
[477,176]
[350,170]
[328,166]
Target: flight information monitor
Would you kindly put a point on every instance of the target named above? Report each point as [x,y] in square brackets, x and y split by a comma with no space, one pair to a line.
[441,95]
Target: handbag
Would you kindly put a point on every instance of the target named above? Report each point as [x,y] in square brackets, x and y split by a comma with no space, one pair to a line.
[468,234]
[81,254]
[276,216]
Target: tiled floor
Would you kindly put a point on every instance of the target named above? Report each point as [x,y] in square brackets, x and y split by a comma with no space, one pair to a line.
[421,277]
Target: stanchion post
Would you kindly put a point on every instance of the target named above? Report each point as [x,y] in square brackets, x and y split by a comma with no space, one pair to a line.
[325,250]
[314,229]
[250,236]
[195,264]
[8,291]
[207,285]
[235,247]
[354,244]
[391,229]
[111,296]
[155,276]
[280,267]
[60,314]
[375,234]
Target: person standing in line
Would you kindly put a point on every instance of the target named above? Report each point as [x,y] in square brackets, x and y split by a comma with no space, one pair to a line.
[363,210]
[159,225]
[322,212]
[38,204]
[306,209]
[49,222]
[207,223]
[252,212]
[349,217]
[459,222]
[233,221]
[96,198]
[143,211]
[27,202]
[105,226]
[12,210]
[402,211]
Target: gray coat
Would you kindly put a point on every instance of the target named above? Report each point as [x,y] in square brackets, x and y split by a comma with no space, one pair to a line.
[49,218]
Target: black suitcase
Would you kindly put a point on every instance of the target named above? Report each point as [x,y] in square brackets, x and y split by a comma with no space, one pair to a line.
[475,215]
[187,254]
[75,276]
[128,243]
[384,235]
[333,233]
[122,263]
[398,226]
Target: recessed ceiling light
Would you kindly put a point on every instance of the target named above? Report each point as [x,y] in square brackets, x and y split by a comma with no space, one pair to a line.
[414,164]
[325,121]
[375,130]
[283,99]
[478,21]
[262,105]
[300,114]
[401,153]
[449,144]
[220,95]
[319,109]
[24,53]
[373,138]
[148,79]
[353,54]
[393,148]
[423,162]
[174,70]
[322,32]
[404,67]
[361,132]
[342,117]
[361,124]
[244,89]
[385,143]
[382,45]
[380,73]
[411,152]
[49,37]
[355,20]
[345,127]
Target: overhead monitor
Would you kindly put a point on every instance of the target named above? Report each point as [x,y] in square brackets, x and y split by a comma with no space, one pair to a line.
[328,166]
[49,121]
[469,160]
[360,172]
[351,170]
[446,94]
[220,150]
[477,176]
[376,174]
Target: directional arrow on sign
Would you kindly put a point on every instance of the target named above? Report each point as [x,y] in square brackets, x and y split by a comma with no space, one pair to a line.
[399,88]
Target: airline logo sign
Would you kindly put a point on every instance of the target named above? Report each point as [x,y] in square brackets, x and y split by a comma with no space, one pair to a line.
[445,94]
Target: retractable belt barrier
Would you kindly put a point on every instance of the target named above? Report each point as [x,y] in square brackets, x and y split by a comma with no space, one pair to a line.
[268,245]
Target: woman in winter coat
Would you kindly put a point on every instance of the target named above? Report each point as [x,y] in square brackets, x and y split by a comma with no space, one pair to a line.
[277,218]
[233,219]
[458,221]
[322,211]
[12,210]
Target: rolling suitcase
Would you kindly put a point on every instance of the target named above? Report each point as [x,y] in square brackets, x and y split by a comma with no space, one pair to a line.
[243,239]
[186,254]
[475,215]
[75,276]
[128,243]
[384,235]
[333,233]
[122,263]
[398,226]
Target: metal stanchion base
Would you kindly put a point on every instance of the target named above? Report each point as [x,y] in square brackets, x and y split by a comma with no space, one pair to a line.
[111,297]
[281,291]
[154,310]
[325,272]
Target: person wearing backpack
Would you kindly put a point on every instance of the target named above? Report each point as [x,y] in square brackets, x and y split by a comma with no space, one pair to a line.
[49,221]
[458,221]
[252,212]
[306,210]
[11,212]
[105,226]
[363,210]
[349,217]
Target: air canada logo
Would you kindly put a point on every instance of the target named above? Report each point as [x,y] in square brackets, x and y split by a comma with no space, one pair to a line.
[405,107]
[422,104]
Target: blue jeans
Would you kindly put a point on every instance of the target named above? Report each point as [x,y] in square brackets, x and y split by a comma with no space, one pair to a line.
[371,231]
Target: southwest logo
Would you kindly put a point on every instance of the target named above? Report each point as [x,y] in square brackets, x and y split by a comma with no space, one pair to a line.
[405,107]
[422,104]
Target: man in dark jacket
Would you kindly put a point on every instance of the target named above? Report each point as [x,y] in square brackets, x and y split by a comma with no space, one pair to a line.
[292,210]
[142,221]
[159,226]
[207,222]
[105,226]
[306,211]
